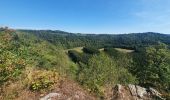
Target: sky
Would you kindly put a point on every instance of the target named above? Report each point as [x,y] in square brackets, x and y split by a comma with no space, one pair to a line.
[87,16]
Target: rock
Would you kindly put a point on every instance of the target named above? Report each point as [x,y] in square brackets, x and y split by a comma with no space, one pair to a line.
[141,92]
[50,95]
[135,92]
[120,91]
[132,89]
[119,88]
[155,93]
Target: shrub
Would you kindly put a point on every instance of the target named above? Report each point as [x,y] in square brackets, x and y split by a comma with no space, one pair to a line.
[100,71]
[91,50]
[11,66]
[40,84]
[112,52]
[43,79]
[79,57]
[75,56]
[152,67]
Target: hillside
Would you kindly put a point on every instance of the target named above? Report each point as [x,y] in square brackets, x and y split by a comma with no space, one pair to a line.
[35,63]
[70,40]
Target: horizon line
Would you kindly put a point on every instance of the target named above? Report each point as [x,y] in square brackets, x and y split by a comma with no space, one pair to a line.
[45,29]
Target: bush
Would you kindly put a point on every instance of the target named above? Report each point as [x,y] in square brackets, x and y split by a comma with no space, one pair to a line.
[152,67]
[124,77]
[41,84]
[100,71]
[91,50]
[11,66]
[79,57]
[75,56]
[112,52]
[42,79]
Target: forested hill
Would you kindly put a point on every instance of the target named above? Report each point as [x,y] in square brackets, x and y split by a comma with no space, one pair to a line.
[70,40]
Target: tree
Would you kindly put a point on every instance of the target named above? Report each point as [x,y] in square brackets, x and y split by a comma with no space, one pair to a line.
[91,50]
[153,67]
[100,71]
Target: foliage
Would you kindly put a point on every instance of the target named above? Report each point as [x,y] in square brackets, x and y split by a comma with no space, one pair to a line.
[11,65]
[127,41]
[41,84]
[43,80]
[153,67]
[90,50]
[78,57]
[75,56]
[19,50]
[102,70]
[112,52]
[72,71]
[43,54]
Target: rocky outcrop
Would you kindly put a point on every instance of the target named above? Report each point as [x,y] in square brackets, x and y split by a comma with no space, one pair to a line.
[50,96]
[135,92]
[155,93]
[68,90]
[60,96]
[119,92]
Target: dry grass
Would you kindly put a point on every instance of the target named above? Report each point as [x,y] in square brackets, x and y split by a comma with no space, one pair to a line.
[78,49]
[68,89]
[19,89]
[124,50]
[102,49]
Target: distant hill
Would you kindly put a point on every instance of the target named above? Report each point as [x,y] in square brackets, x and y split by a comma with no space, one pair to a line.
[70,40]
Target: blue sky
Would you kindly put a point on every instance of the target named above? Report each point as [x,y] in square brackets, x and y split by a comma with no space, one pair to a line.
[87,16]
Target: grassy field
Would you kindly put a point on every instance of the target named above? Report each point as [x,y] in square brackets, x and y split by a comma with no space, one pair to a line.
[102,49]
[78,49]
[124,50]
[119,49]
